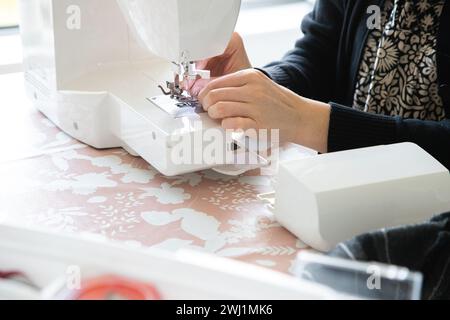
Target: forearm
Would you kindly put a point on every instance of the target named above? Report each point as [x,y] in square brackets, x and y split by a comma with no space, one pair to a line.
[314,124]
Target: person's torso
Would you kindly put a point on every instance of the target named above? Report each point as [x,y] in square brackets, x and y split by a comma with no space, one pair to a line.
[401,68]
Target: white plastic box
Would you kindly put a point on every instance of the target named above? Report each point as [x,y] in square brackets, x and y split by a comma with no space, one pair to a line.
[333,197]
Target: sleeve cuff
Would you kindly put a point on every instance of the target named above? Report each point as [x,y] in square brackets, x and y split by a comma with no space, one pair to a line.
[277,74]
[352,129]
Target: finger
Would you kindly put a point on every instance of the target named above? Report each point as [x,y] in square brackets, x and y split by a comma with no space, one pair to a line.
[197,86]
[237,79]
[222,110]
[223,95]
[239,123]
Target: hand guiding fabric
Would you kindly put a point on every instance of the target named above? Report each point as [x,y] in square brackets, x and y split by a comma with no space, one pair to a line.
[243,98]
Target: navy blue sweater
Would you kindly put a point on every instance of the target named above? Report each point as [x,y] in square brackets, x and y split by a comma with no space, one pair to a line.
[324,65]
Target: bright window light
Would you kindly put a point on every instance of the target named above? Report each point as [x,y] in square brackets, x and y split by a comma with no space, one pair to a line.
[9,16]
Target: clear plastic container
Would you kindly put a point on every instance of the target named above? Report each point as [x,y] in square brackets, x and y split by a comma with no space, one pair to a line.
[359,279]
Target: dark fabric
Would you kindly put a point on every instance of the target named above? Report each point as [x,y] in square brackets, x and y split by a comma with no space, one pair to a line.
[351,129]
[423,247]
[324,65]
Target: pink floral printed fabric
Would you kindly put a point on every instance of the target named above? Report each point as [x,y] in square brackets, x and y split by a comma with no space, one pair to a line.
[50,180]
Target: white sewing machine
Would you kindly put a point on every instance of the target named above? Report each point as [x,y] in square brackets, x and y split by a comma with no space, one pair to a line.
[94,66]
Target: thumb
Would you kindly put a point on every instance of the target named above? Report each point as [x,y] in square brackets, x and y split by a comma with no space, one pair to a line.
[202,64]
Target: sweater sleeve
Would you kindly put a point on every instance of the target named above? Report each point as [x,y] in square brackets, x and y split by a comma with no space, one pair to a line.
[310,68]
[421,247]
[351,129]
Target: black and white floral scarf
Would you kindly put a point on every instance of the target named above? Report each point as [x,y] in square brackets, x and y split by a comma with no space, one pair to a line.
[398,69]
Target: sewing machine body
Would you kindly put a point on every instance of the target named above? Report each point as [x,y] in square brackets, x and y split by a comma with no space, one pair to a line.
[89,75]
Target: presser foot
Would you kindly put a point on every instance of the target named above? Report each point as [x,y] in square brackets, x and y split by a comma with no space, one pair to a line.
[176,101]
[177,107]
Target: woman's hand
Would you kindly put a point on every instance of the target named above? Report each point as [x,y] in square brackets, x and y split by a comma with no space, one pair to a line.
[248,99]
[234,59]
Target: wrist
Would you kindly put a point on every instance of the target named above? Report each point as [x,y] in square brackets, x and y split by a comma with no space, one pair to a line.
[314,124]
